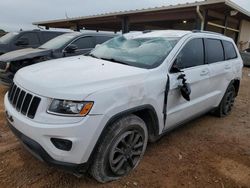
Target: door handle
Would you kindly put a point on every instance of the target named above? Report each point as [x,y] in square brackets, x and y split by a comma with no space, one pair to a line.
[204,73]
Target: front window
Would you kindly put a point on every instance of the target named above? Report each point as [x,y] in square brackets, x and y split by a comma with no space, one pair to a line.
[57,42]
[8,37]
[139,52]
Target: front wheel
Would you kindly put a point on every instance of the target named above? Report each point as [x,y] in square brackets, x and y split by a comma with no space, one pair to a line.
[121,149]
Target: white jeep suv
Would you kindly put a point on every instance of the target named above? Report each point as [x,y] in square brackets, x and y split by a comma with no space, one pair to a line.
[97,113]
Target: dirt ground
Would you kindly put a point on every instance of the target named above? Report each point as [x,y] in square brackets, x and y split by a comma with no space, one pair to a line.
[208,152]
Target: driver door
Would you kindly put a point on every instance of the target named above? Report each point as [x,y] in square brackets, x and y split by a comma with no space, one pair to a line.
[84,46]
[191,60]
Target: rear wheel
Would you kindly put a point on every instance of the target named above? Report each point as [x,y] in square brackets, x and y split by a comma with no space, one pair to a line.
[121,149]
[227,102]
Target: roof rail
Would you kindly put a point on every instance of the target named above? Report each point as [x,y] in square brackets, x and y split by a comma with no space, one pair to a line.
[208,32]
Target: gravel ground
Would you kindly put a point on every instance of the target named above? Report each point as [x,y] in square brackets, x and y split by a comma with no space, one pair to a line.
[207,152]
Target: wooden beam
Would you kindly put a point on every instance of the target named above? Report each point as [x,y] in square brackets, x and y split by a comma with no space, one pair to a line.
[162,17]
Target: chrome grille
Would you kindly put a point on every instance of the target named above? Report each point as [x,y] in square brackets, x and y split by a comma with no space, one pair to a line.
[23,101]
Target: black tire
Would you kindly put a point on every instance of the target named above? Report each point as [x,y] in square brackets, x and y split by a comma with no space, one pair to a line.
[227,102]
[121,149]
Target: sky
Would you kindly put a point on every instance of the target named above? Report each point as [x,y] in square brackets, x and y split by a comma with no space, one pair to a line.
[19,14]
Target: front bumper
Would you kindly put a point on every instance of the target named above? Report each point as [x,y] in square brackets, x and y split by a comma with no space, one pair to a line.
[36,136]
[38,151]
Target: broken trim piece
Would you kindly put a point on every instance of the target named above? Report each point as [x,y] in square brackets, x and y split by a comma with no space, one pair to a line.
[166,101]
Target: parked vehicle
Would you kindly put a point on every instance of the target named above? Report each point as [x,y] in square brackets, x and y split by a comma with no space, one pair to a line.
[69,44]
[246,57]
[97,113]
[25,39]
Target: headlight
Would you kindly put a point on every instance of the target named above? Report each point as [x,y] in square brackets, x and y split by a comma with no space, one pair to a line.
[70,108]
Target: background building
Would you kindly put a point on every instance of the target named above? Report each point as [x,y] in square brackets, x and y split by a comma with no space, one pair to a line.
[222,16]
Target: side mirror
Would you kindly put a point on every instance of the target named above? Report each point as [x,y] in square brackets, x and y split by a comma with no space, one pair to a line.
[71,48]
[22,42]
[185,88]
[175,68]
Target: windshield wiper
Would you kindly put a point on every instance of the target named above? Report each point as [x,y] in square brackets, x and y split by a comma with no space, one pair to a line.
[92,55]
[115,61]
[109,59]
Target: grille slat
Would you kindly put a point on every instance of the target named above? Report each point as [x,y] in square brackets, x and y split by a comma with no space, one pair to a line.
[20,100]
[12,93]
[24,102]
[11,90]
[33,107]
[16,96]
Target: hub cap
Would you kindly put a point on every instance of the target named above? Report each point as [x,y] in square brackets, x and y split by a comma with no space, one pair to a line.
[126,152]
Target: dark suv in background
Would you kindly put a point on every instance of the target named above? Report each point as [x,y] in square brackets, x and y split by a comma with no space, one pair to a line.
[69,44]
[25,39]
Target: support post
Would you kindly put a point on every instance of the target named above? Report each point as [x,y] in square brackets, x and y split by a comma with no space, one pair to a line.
[199,19]
[198,23]
[205,19]
[125,25]
[238,33]
[225,24]
[78,28]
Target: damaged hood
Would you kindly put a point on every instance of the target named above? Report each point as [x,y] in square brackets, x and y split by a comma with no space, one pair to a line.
[27,53]
[76,78]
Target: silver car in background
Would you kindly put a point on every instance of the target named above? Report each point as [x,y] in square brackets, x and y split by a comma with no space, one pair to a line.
[246,57]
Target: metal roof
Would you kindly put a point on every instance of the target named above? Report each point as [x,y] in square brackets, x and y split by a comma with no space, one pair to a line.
[136,11]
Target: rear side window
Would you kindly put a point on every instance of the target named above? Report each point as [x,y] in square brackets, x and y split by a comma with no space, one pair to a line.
[229,49]
[214,50]
[102,39]
[85,43]
[46,36]
[32,38]
[191,55]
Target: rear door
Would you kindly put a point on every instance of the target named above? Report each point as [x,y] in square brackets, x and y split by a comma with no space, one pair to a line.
[191,60]
[219,56]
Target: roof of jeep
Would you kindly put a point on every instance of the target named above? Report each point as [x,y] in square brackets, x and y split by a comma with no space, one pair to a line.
[75,34]
[40,31]
[158,33]
[175,34]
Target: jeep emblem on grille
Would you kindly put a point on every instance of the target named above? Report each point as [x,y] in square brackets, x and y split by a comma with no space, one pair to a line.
[9,117]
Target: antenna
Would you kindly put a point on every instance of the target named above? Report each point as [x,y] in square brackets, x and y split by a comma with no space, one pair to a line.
[66,15]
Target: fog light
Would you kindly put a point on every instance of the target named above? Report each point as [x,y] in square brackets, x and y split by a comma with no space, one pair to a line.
[62,144]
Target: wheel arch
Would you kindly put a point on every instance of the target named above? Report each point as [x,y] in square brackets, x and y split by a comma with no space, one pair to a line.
[146,112]
[236,84]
